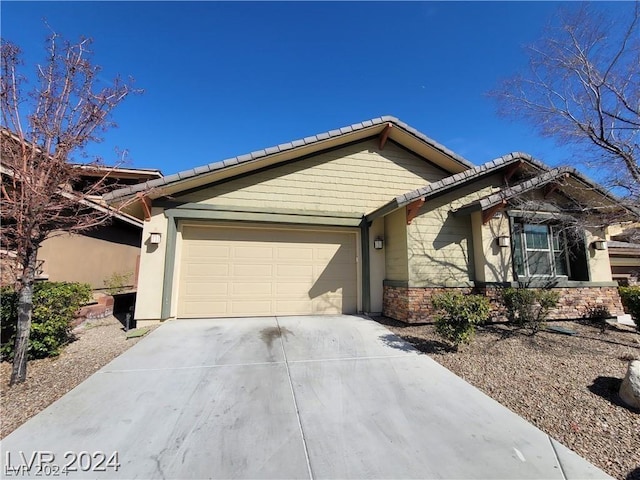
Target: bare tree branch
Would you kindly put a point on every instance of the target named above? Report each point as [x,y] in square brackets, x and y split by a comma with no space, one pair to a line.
[583,87]
[64,111]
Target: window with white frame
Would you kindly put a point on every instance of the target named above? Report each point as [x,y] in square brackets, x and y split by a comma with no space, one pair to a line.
[540,250]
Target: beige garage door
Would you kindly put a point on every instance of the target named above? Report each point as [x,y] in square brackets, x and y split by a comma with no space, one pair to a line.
[239,272]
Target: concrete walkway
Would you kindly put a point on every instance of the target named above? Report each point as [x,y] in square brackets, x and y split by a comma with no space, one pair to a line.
[287,397]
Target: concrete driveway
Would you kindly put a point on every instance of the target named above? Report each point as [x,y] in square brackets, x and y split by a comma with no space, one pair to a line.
[286,397]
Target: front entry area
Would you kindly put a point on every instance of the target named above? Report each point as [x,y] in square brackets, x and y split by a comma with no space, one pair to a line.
[257,271]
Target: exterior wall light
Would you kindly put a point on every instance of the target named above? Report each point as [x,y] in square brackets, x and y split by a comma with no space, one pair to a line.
[503,241]
[378,243]
[155,238]
[600,245]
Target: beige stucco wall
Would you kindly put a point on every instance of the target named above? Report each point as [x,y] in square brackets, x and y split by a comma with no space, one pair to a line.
[440,245]
[356,179]
[91,259]
[149,298]
[492,263]
[599,265]
[377,265]
[395,248]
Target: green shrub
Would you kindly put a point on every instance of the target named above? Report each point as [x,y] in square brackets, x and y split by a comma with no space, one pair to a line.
[528,307]
[458,316]
[631,301]
[598,315]
[117,282]
[54,306]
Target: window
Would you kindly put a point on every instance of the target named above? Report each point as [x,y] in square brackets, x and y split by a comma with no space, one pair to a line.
[540,251]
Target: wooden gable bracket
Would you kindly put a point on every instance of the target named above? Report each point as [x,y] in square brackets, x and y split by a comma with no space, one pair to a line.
[491,211]
[549,188]
[511,170]
[413,208]
[146,205]
[384,135]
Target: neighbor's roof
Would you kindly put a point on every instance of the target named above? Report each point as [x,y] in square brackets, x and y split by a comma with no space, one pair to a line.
[91,202]
[401,133]
[119,172]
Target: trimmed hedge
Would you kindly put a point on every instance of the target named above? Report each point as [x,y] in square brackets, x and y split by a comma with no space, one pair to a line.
[54,307]
[631,301]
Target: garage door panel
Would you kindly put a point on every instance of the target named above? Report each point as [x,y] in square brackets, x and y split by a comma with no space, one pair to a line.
[251,270]
[253,252]
[292,252]
[206,250]
[292,307]
[257,288]
[205,270]
[246,309]
[256,271]
[299,271]
[292,289]
[206,289]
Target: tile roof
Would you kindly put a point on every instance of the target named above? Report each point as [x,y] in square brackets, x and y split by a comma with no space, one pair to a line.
[212,167]
[539,181]
[456,180]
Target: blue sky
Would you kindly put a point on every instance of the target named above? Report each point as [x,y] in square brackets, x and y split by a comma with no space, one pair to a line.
[224,79]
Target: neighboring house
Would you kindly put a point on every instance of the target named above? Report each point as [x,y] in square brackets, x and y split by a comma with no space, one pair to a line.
[624,253]
[374,217]
[97,254]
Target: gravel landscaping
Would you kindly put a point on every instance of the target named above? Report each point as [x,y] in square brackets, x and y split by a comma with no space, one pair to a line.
[565,385]
[98,342]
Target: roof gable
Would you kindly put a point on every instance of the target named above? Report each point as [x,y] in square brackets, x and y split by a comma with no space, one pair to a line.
[579,190]
[385,128]
[509,163]
[356,178]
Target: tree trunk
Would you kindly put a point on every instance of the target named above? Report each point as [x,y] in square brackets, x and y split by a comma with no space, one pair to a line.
[25,309]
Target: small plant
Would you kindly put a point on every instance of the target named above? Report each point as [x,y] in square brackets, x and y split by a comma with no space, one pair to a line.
[598,315]
[631,301]
[54,306]
[459,316]
[117,282]
[528,307]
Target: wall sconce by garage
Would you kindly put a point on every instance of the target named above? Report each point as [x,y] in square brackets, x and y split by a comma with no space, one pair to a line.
[502,241]
[378,243]
[155,238]
[600,245]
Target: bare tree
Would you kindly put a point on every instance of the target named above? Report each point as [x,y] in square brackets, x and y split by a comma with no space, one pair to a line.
[64,111]
[583,87]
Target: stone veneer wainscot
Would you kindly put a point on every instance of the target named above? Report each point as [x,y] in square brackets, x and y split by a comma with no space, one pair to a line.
[413,304]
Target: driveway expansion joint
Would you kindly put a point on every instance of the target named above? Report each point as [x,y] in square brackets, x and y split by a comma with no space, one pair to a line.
[555,453]
[295,404]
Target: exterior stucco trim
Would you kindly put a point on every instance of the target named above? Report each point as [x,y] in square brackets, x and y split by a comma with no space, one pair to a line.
[171,205]
[366,266]
[169,267]
[263,217]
